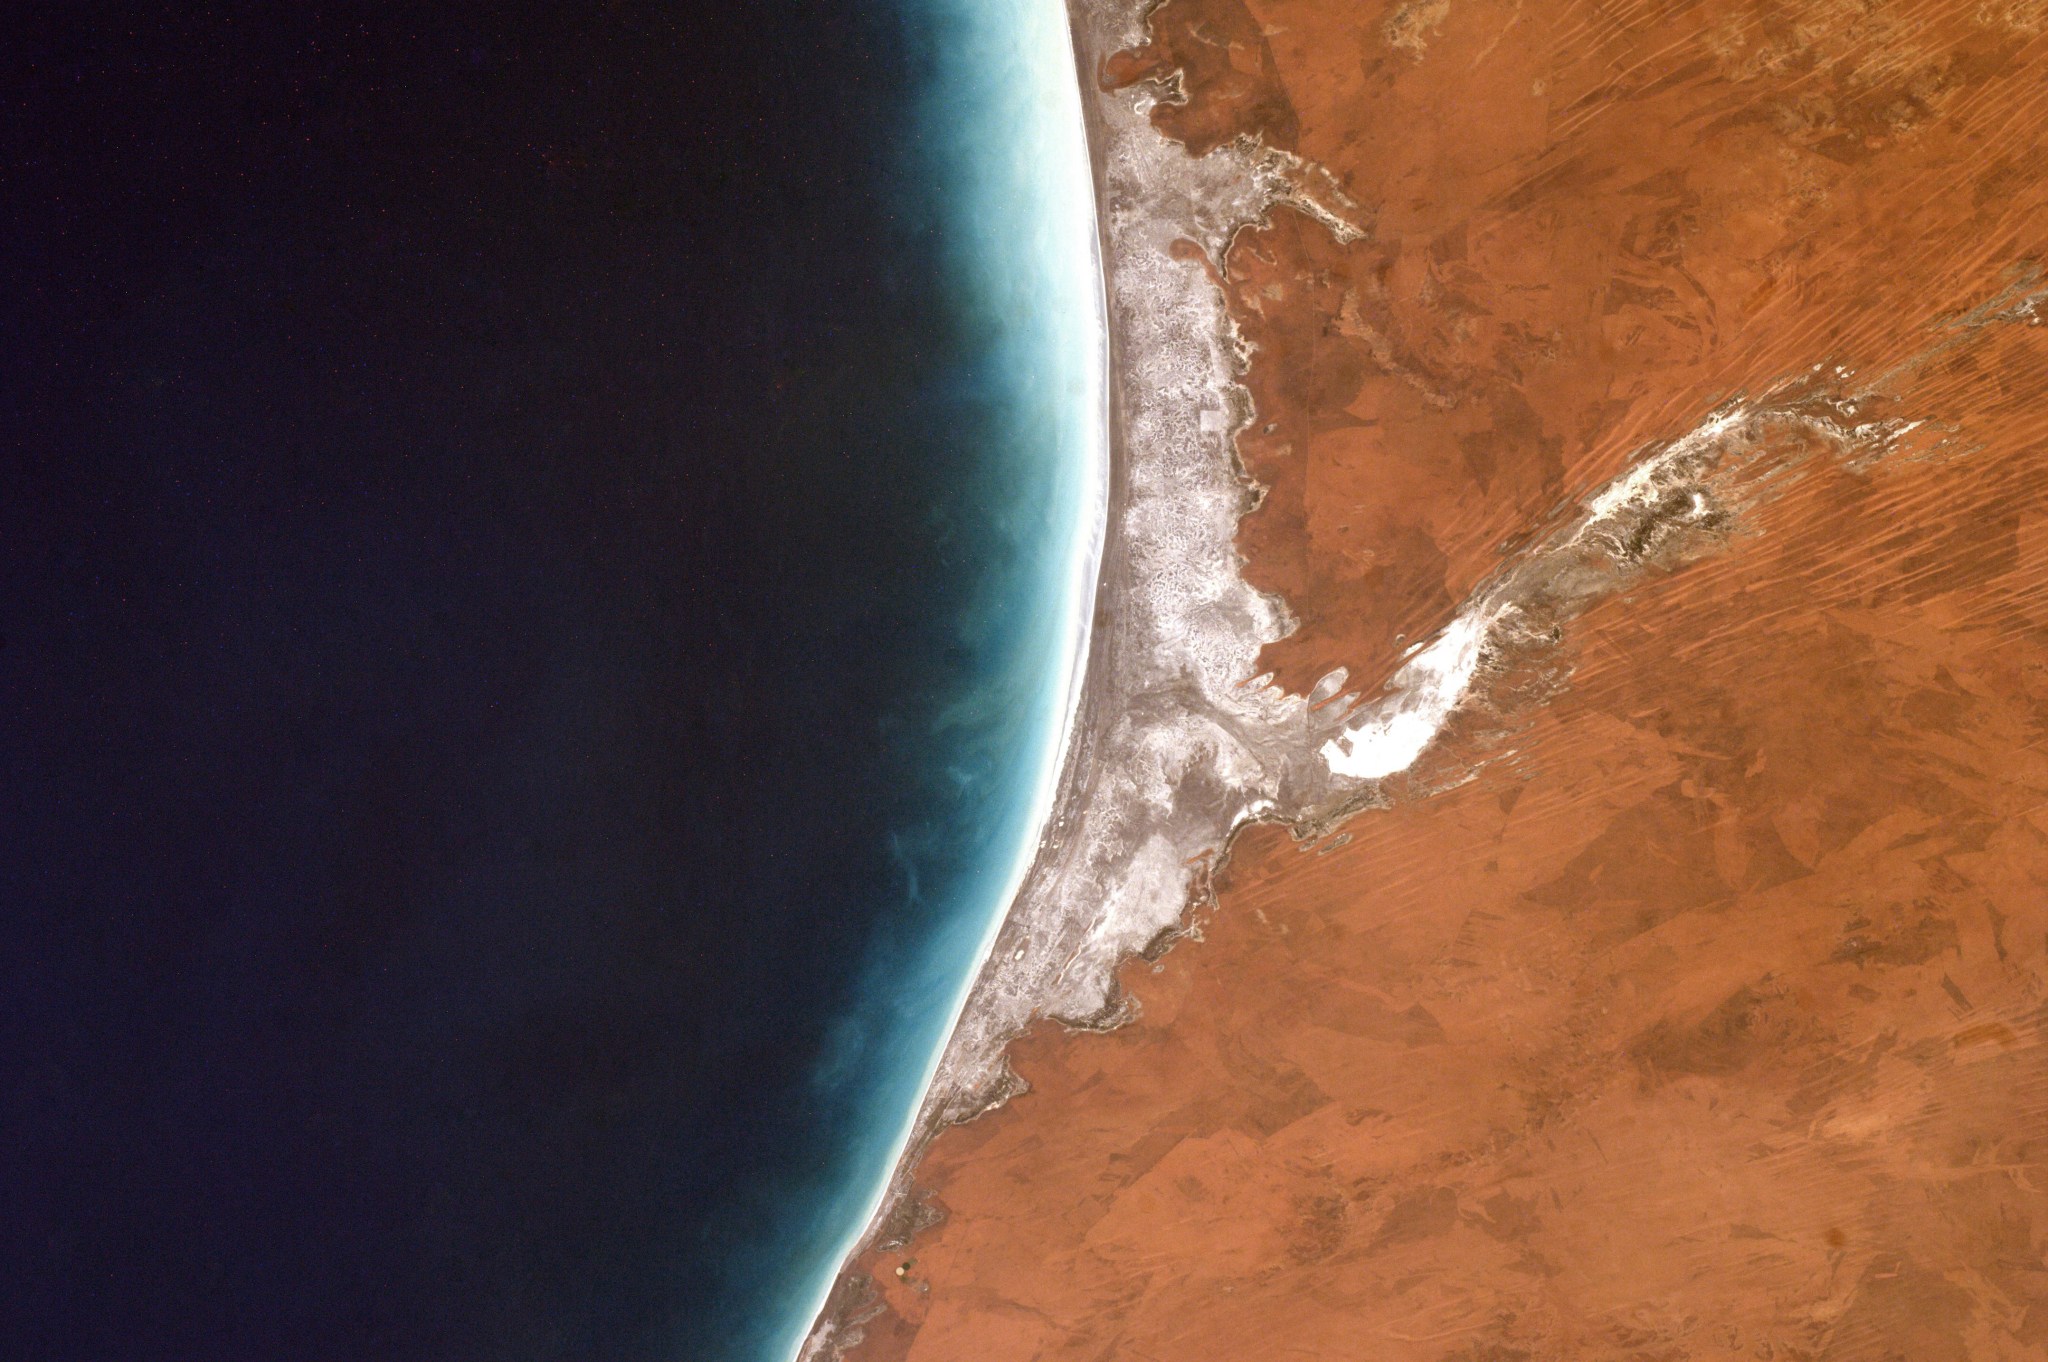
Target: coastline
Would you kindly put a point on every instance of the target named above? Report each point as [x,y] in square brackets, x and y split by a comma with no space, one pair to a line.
[1177,742]
[1169,750]
[1581,833]
[824,1336]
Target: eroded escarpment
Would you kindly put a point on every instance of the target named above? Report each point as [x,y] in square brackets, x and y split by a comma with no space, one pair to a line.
[1665,438]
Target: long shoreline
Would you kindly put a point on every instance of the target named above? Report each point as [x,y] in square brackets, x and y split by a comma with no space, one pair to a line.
[1175,744]
[1057,793]
[1179,745]
[1166,753]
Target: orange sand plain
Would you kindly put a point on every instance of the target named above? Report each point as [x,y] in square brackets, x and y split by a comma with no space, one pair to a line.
[1706,1020]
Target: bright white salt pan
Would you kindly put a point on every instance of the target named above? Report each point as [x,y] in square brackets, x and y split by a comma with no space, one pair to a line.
[1389,735]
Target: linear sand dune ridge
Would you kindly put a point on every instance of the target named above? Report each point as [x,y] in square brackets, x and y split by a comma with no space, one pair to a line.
[1665,423]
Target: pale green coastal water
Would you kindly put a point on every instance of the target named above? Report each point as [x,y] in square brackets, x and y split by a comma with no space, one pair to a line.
[1002,158]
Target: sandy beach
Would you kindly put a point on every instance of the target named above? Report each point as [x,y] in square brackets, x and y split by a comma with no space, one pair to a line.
[1169,749]
[1608,550]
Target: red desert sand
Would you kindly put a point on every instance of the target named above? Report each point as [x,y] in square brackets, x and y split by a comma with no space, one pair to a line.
[1692,1004]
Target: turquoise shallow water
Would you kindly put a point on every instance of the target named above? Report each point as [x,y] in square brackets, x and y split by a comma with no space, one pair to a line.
[1002,162]
[548,550]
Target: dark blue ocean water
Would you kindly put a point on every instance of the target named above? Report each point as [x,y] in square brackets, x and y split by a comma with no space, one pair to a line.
[540,556]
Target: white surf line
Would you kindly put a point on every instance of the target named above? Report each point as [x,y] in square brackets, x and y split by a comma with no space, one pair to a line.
[1084,581]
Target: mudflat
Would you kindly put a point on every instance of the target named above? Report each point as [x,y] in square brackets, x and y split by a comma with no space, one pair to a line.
[1688,999]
